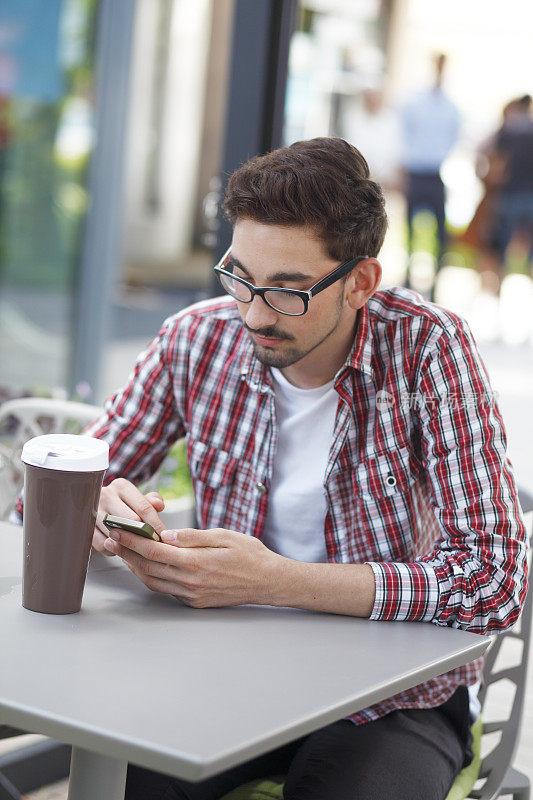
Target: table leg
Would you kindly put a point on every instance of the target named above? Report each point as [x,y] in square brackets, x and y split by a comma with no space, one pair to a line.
[94,777]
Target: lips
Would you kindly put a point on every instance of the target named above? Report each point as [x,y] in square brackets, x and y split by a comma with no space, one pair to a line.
[265,341]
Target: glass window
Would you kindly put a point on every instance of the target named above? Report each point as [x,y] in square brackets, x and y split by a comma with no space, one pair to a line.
[46,139]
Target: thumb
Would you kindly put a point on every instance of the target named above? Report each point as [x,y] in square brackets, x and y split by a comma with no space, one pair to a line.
[191,537]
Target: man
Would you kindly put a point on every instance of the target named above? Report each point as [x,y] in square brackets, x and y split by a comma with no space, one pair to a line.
[374,125]
[430,123]
[514,211]
[351,436]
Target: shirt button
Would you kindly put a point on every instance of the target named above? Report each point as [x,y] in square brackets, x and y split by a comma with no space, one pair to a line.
[391,480]
[261,488]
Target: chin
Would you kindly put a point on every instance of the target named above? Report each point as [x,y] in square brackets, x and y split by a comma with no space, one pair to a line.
[273,358]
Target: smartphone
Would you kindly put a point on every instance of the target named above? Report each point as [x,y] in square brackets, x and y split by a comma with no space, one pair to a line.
[131,525]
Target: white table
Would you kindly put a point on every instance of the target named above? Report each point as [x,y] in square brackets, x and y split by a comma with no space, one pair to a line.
[136,676]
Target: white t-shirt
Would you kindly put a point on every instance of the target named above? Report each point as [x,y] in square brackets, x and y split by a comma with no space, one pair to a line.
[294,525]
[296,514]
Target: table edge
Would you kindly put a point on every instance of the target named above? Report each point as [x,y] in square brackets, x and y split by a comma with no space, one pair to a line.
[196,768]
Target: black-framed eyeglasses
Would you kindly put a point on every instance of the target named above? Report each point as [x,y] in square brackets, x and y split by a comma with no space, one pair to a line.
[293,302]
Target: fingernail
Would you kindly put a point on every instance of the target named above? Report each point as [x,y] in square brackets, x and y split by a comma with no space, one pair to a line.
[111,546]
[114,535]
[169,536]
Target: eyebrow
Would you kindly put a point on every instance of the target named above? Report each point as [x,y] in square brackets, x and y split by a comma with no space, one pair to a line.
[278,276]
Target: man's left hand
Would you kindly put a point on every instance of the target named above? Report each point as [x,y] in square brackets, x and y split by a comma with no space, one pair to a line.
[202,568]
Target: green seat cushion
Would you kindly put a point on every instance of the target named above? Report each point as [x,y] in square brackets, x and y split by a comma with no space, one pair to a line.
[272,788]
[261,789]
[468,776]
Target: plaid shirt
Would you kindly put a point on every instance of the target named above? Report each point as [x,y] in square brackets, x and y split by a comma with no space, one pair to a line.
[418,483]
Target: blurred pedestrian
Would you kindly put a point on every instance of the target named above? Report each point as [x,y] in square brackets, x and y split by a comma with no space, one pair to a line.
[513,225]
[481,233]
[430,127]
[371,125]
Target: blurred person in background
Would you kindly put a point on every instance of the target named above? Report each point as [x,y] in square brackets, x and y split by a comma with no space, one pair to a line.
[430,127]
[374,128]
[512,230]
[480,233]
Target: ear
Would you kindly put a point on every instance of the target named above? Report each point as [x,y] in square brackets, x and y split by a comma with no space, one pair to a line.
[363,282]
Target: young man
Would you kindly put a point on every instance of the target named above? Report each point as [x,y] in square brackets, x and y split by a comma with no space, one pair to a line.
[351,435]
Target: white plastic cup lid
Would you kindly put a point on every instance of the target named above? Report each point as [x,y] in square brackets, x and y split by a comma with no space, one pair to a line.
[64,451]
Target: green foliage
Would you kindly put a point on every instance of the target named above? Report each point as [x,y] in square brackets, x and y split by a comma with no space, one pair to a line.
[424,233]
[175,479]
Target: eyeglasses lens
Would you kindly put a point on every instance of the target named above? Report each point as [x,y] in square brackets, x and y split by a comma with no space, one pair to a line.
[236,289]
[285,302]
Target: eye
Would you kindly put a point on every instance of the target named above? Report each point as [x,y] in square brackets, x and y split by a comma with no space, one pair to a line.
[238,271]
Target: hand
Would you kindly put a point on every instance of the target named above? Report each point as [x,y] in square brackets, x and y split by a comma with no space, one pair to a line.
[202,568]
[123,499]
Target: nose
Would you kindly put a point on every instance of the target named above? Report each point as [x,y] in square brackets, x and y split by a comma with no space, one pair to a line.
[259,315]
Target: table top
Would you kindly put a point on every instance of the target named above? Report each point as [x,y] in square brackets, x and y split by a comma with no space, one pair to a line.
[137,675]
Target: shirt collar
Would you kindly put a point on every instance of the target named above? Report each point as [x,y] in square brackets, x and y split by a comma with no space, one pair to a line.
[257,375]
[360,356]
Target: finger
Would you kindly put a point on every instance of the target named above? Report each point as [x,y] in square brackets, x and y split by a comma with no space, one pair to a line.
[99,540]
[154,493]
[158,577]
[163,586]
[143,567]
[169,563]
[139,504]
[148,549]
[116,508]
[191,537]
[156,500]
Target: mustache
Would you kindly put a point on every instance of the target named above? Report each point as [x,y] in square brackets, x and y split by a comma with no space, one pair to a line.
[269,333]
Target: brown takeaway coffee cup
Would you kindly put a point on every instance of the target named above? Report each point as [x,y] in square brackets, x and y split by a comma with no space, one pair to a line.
[63,478]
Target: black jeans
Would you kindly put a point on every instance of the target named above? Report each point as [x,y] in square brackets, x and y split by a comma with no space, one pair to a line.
[425,191]
[407,755]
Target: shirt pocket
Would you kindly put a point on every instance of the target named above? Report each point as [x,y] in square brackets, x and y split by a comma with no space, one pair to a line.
[221,484]
[210,466]
[385,475]
[385,504]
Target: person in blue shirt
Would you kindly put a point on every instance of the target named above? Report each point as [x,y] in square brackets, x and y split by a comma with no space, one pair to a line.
[430,127]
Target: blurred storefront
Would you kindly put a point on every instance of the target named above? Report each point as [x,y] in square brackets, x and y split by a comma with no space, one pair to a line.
[175,137]
[88,253]
[121,121]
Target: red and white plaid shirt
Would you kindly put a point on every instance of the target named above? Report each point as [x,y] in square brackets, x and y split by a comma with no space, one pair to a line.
[418,483]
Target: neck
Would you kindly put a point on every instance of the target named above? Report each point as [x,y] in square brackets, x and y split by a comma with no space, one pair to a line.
[322,364]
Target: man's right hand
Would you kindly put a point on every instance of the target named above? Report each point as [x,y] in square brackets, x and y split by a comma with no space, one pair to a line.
[122,499]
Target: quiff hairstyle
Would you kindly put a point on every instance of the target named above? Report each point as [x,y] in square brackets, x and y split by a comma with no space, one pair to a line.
[323,183]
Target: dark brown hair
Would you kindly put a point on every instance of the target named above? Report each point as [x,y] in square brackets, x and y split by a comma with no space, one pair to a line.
[323,183]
